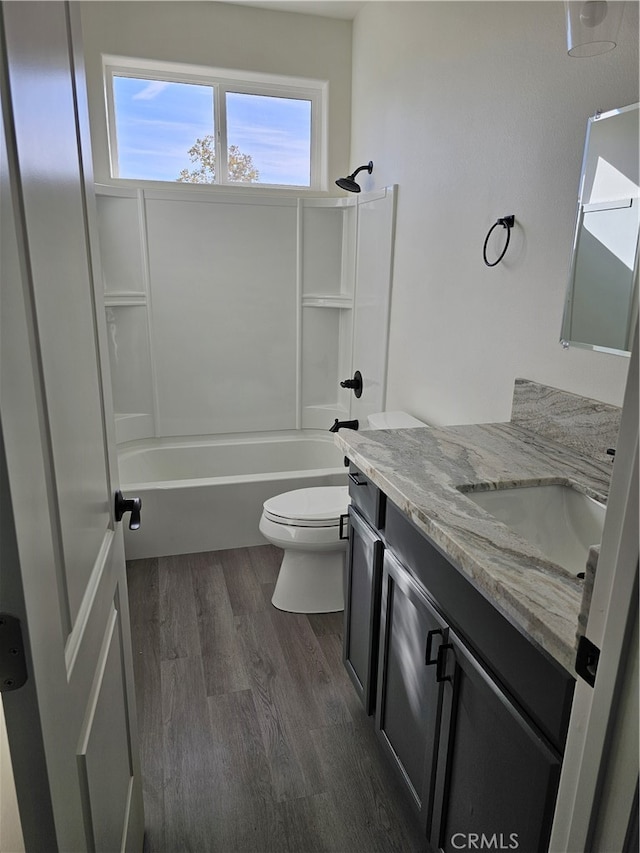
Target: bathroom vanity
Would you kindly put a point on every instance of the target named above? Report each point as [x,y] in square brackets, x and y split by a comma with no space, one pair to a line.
[460,634]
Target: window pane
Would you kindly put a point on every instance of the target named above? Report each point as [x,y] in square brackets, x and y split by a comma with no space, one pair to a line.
[270,136]
[165,131]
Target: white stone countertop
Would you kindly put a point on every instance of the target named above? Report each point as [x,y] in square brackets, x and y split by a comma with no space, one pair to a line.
[422,472]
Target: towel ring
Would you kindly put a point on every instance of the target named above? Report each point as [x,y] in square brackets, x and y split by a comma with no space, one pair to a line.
[506,222]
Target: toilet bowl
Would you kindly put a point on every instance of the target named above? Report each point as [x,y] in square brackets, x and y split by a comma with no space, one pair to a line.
[306,524]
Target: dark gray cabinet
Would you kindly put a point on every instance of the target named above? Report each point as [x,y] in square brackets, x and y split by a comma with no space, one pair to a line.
[496,776]
[409,697]
[471,714]
[471,761]
[362,607]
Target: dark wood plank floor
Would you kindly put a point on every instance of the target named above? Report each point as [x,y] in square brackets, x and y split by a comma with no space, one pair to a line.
[252,737]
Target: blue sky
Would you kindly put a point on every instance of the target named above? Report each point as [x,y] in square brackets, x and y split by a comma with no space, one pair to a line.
[157,122]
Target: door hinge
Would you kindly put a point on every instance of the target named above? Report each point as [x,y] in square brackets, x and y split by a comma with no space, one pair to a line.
[13,666]
[587,660]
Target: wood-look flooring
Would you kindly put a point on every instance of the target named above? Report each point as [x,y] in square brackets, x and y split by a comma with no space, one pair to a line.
[252,737]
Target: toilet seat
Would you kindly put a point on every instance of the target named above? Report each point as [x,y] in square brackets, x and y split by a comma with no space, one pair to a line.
[321,506]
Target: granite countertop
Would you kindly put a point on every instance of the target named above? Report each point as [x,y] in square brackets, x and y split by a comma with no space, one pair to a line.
[422,472]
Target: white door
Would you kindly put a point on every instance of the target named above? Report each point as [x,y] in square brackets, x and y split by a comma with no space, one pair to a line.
[600,770]
[71,727]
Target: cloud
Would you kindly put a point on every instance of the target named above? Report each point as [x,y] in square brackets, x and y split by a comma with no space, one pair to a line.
[187,128]
[281,154]
[151,90]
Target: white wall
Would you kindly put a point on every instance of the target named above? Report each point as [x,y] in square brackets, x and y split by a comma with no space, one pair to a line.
[223,318]
[476,111]
[222,36]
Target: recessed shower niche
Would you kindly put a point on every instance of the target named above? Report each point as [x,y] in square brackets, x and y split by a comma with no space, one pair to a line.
[231,313]
[328,254]
[126,302]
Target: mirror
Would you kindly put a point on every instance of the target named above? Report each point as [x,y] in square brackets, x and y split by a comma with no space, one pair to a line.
[602,297]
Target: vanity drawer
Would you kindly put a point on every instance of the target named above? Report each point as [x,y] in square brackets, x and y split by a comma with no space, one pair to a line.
[367,497]
[542,688]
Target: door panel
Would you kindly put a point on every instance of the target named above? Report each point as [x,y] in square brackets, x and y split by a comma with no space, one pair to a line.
[54,218]
[64,565]
[104,755]
[408,703]
[497,775]
[364,568]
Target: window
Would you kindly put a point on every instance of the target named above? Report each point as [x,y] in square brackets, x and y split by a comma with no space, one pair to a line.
[194,125]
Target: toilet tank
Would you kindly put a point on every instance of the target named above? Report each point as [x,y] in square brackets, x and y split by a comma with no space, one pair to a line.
[392,420]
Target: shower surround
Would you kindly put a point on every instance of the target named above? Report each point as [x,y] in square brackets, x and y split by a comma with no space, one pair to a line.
[232,320]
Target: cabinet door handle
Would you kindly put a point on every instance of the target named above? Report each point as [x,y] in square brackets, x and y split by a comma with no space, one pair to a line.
[354,479]
[427,651]
[344,522]
[441,663]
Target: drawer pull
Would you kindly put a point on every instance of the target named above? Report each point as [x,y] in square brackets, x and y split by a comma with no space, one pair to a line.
[427,652]
[441,663]
[356,482]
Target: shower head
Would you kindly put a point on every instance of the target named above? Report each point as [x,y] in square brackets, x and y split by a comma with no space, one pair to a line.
[349,183]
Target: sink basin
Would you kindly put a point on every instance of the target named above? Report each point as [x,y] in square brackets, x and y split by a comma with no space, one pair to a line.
[561,522]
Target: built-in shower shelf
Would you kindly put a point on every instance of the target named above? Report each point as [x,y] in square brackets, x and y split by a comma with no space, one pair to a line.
[123,298]
[314,300]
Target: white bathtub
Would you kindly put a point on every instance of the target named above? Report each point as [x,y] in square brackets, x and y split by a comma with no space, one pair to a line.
[205,494]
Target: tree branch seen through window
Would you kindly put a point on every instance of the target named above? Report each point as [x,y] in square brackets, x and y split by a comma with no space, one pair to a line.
[203,155]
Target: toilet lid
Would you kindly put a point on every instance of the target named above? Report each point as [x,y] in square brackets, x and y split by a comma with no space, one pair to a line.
[318,507]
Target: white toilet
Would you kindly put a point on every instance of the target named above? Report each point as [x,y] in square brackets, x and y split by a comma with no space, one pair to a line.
[306,524]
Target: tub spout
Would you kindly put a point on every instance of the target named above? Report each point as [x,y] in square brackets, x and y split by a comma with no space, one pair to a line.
[346,424]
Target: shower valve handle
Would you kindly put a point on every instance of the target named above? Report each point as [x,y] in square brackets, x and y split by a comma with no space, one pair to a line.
[355,383]
[132,505]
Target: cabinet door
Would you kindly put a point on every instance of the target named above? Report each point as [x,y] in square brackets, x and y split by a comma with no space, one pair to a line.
[497,777]
[362,608]
[409,698]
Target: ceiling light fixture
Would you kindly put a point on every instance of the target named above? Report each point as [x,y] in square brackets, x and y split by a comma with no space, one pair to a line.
[592,26]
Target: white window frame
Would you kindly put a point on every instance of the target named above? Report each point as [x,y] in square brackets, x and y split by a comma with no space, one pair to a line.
[222,81]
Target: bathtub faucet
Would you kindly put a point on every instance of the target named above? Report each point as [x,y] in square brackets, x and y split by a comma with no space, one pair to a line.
[346,424]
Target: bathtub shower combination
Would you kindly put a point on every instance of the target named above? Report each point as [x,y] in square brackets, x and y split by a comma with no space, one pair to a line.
[207,494]
[228,365]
